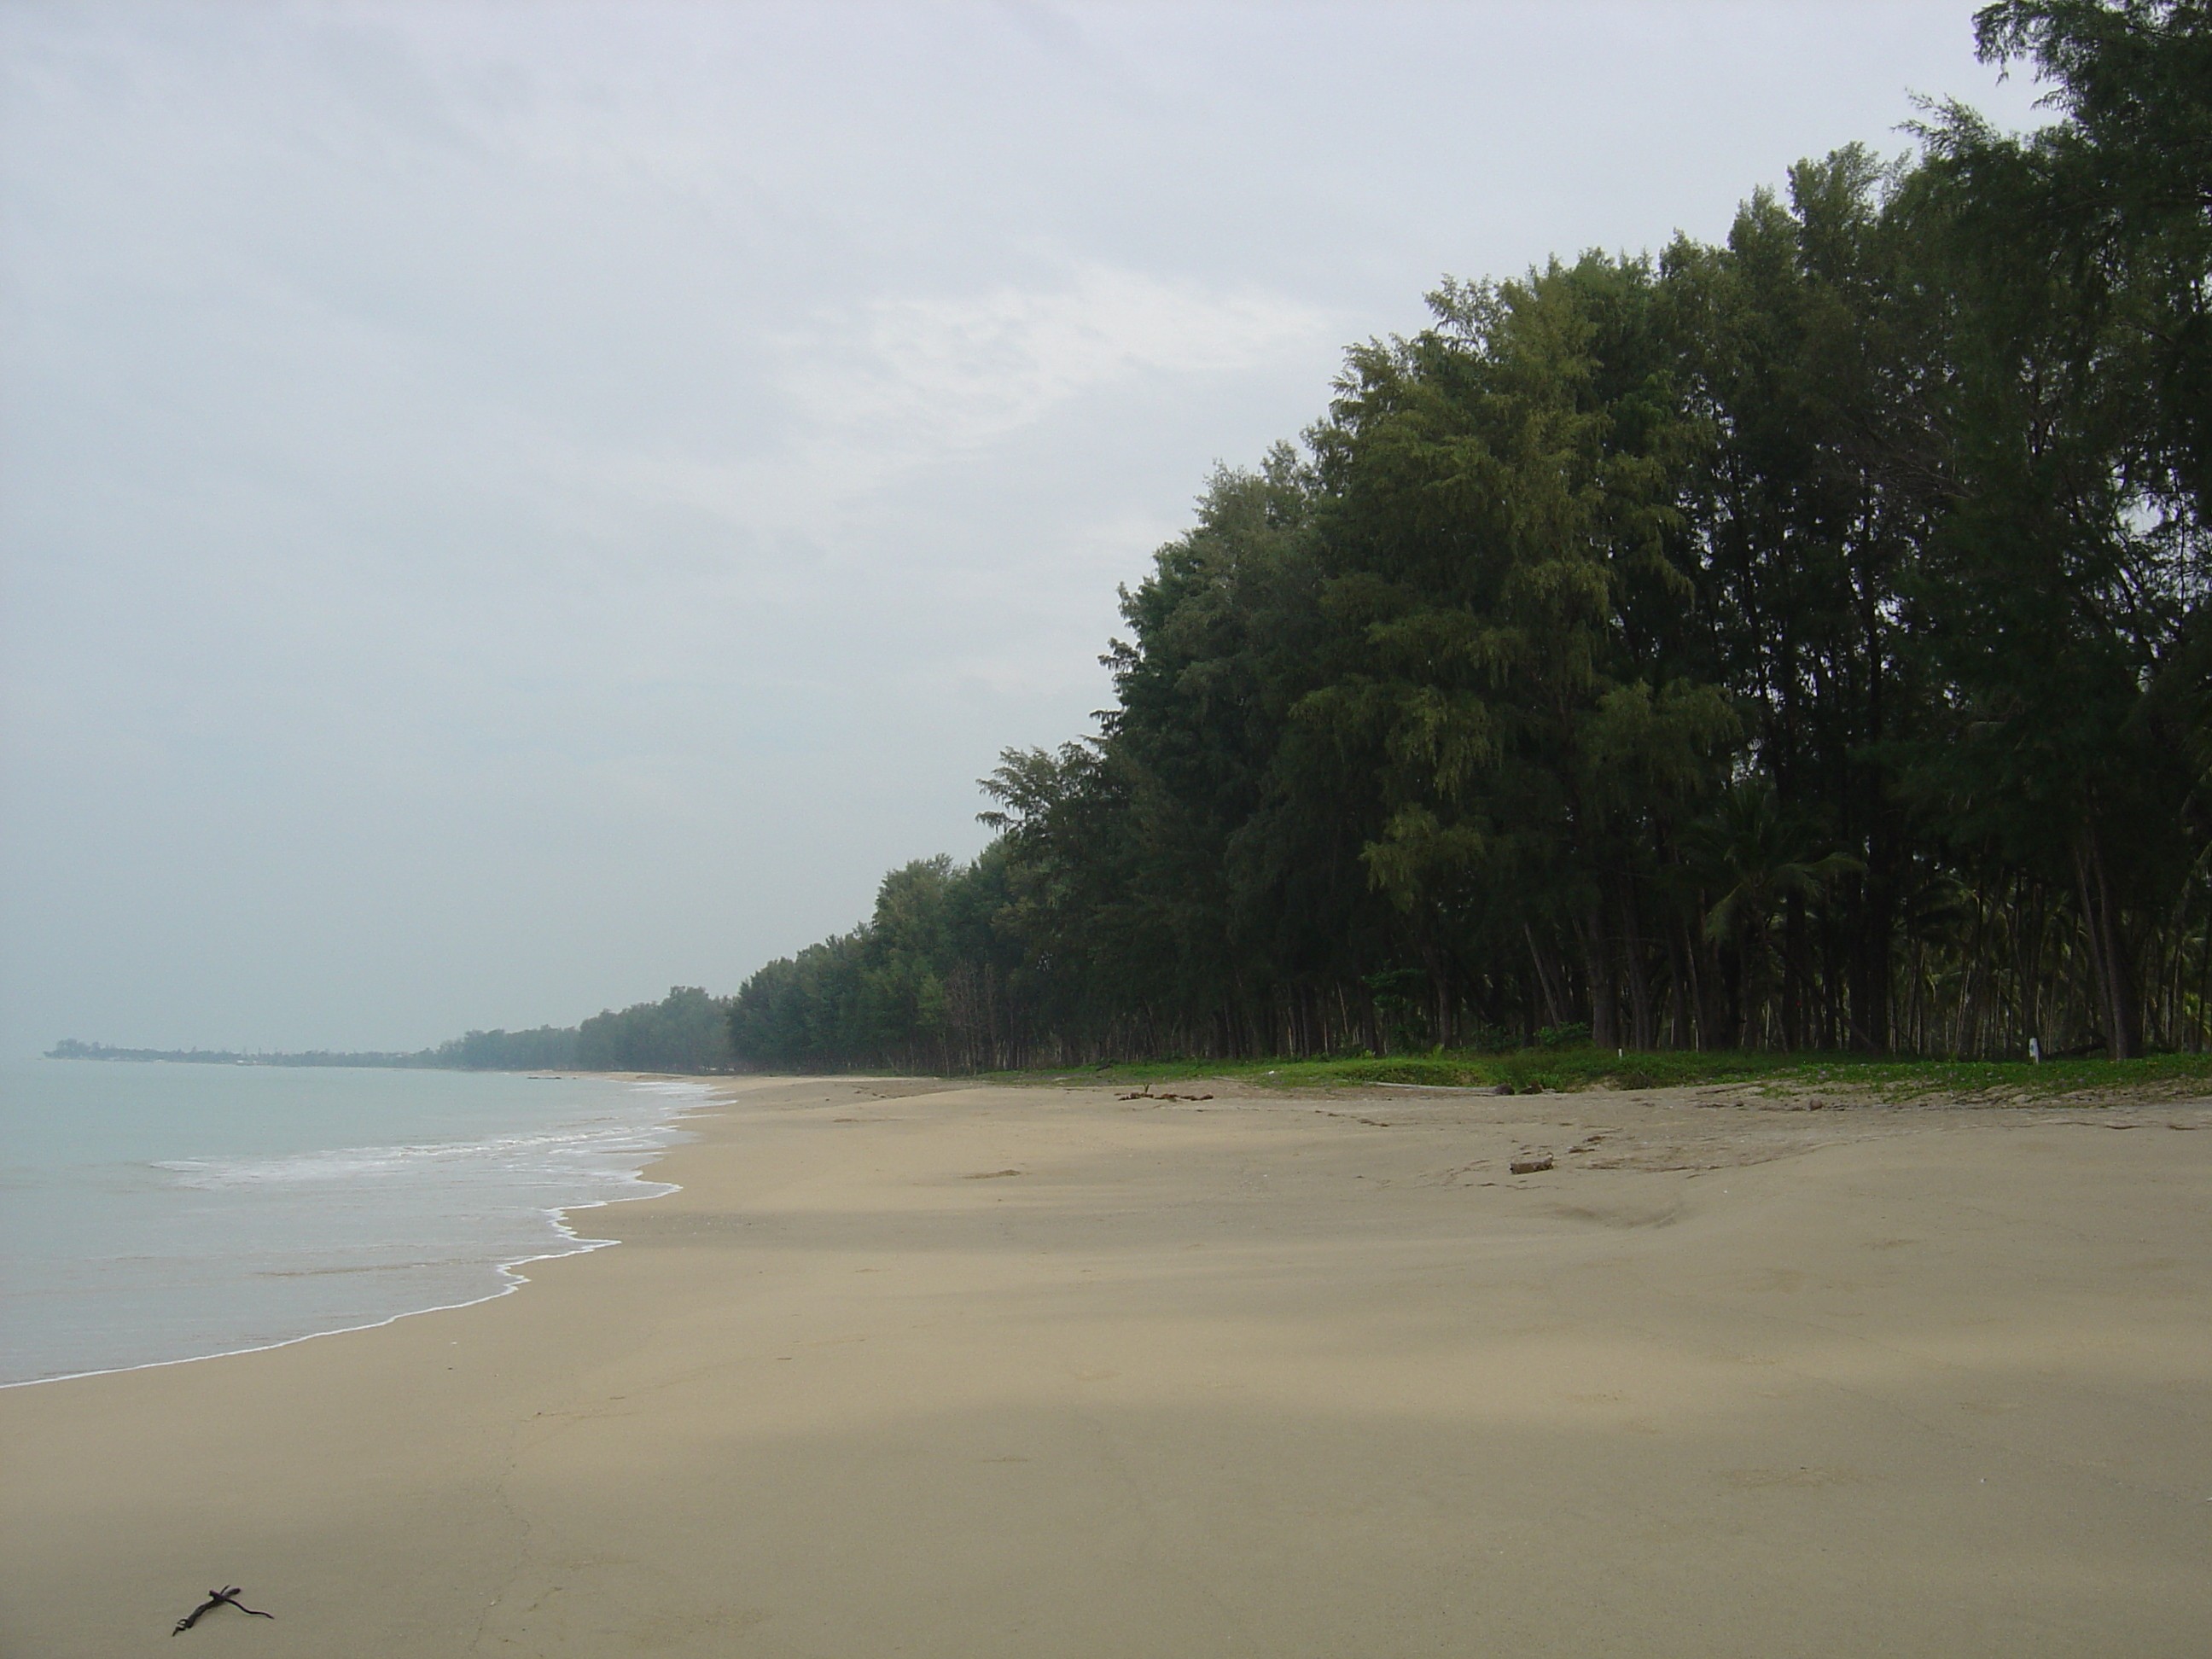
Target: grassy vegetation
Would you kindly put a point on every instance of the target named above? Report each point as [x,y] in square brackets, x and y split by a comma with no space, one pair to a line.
[1534,1071]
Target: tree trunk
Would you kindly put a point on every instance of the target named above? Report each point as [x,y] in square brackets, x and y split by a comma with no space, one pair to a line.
[1682,973]
[2108,954]
[1869,1018]
[1553,1001]
[1604,996]
[1643,1027]
[1793,973]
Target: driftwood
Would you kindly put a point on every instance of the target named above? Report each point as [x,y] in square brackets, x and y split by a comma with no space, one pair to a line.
[218,1598]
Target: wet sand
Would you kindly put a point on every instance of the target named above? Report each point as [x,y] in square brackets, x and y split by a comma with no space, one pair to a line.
[918,1369]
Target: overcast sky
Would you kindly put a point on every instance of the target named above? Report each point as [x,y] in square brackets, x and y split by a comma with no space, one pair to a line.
[510,507]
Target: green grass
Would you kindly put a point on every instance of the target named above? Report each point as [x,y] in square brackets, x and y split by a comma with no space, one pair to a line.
[1532,1071]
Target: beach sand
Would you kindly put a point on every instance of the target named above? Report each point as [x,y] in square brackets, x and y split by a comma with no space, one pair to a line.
[923,1369]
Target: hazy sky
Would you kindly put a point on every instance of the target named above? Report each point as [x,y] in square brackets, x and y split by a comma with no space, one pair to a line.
[510,507]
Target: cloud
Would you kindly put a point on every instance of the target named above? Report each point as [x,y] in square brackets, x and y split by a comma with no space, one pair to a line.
[877,390]
[924,376]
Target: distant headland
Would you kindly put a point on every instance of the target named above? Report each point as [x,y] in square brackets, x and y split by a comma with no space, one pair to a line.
[687,1030]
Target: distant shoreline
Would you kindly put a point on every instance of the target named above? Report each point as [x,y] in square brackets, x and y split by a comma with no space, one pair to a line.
[69,1048]
[425,1061]
[686,1034]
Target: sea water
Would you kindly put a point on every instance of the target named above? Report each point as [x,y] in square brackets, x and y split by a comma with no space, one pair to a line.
[152,1213]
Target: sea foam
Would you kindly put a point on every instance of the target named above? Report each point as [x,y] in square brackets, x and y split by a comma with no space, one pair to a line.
[157,1214]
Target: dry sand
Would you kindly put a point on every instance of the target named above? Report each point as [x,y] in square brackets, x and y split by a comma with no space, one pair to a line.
[925,1370]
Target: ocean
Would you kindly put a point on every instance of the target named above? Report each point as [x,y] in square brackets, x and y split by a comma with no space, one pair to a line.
[152,1213]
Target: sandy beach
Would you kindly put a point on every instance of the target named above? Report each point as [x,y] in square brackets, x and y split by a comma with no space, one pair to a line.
[927,1369]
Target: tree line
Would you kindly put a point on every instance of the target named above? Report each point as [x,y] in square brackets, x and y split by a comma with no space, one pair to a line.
[1795,643]
[687,1030]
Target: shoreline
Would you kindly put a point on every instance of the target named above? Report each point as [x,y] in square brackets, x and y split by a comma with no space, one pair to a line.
[916,1365]
[511,1280]
[696,1096]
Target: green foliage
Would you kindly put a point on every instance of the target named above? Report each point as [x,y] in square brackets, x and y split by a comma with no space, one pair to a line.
[687,1030]
[928,984]
[547,1048]
[1798,643]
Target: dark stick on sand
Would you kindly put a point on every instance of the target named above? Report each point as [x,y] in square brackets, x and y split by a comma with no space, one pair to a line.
[215,1599]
